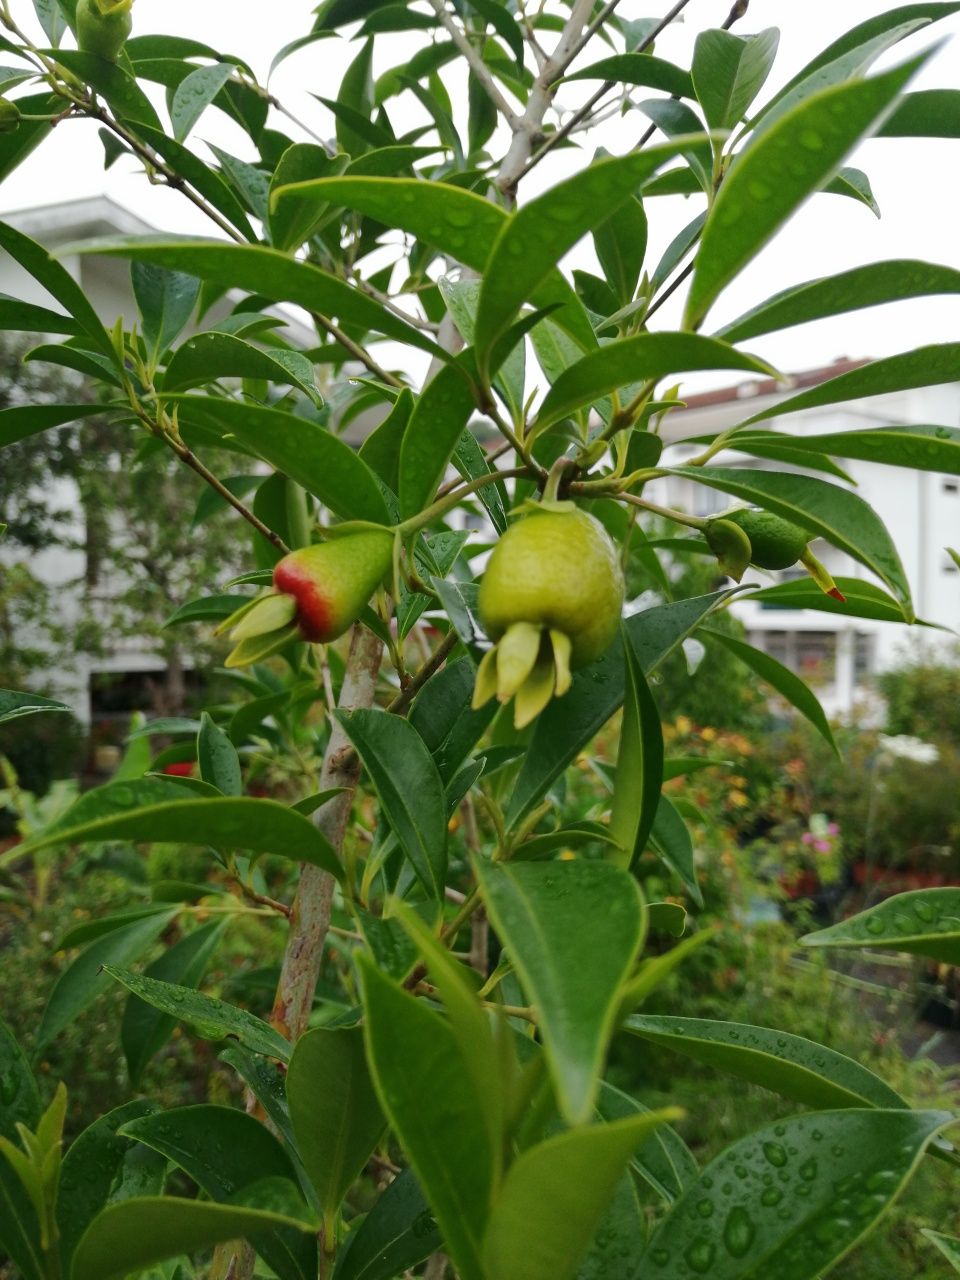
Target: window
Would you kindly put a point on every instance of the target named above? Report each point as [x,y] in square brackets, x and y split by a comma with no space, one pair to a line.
[951,486]
[864,653]
[811,654]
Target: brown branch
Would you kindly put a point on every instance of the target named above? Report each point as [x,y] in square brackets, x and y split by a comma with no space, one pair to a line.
[416,682]
[355,349]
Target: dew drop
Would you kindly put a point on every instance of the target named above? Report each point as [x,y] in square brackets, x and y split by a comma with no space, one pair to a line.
[775,1154]
[810,140]
[875,925]
[700,1256]
[772,1196]
[738,1232]
[705,1208]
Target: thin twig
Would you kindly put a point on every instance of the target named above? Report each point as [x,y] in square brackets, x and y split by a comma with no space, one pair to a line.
[355,349]
[478,68]
[670,289]
[421,676]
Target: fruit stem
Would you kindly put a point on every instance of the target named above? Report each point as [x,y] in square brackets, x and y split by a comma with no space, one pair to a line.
[679,517]
[454,498]
[551,490]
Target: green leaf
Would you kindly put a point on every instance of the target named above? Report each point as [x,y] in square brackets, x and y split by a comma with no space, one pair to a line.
[790,1065]
[85,979]
[266,272]
[860,599]
[729,71]
[218,759]
[381,449]
[436,424]
[786,683]
[457,222]
[534,239]
[621,242]
[930,113]
[334,1110]
[226,1152]
[664,1161]
[145,1029]
[854,184]
[304,451]
[114,84]
[639,778]
[206,609]
[194,94]
[102,1166]
[639,69]
[925,922]
[397,1233]
[21,1101]
[556,1194]
[27,317]
[678,121]
[628,361]
[14,705]
[803,148]
[836,514]
[58,282]
[267,1082]
[920,447]
[202,176]
[208,357]
[852,290]
[426,1090]
[671,841]
[408,784]
[568,724]
[949,1246]
[152,809]
[549,916]
[136,1233]
[28,420]
[166,300]
[210,1018]
[812,1186]
[19,1229]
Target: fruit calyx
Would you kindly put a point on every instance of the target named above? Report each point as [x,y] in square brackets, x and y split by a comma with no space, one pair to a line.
[103,27]
[550,600]
[318,593]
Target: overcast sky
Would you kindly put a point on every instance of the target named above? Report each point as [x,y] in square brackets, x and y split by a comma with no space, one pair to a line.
[916,183]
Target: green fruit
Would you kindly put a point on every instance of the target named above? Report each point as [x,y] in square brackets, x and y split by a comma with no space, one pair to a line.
[775,543]
[550,598]
[103,27]
[319,592]
[9,116]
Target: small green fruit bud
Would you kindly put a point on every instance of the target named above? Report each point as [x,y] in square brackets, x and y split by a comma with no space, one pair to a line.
[9,116]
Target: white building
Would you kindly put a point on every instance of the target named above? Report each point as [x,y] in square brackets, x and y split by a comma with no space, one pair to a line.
[921,509]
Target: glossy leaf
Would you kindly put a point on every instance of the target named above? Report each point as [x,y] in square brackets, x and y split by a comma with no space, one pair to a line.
[227,1152]
[381,448]
[639,69]
[790,1065]
[836,514]
[304,451]
[100,1166]
[925,922]
[28,317]
[194,94]
[556,1194]
[85,979]
[218,759]
[628,361]
[664,1161]
[853,290]
[775,174]
[860,599]
[920,447]
[23,421]
[266,272]
[14,705]
[673,844]
[813,1186]
[334,1110]
[408,784]
[436,424]
[21,1100]
[426,1091]
[729,71]
[210,1018]
[145,1029]
[133,1234]
[639,764]
[949,1246]
[153,809]
[397,1233]
[166,300]
[621,243]
[114,83]
[567,725]
[457,222]
[789,685]
[548,916]
[534,239]
[929,113]
[211,356]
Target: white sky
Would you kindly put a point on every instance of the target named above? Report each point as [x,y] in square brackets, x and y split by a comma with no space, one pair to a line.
[916,182]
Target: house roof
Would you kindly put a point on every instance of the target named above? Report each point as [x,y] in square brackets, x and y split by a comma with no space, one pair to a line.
[760,387]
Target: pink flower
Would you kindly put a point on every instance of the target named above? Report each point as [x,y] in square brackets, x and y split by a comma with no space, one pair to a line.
[832,829]
[822,846]
[807,838]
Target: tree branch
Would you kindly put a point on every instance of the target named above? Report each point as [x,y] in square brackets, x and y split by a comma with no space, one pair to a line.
[478,68]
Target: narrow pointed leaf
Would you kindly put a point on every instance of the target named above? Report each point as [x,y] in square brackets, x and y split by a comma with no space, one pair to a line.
[639,777]
[556,1193]
[210,1018]
[28,317]
[397,1233]
[408,784]
[836,514]
[334,1110]
[21,1098]
[436,424]
[549,916]
[136,1233]
[914,445]
[860,599]
[790,1065]
[218,759]
[924,922]
[949,1246]
[639,69]
[813,1186]
[194,94]
[929,113]
[14,705]
[166,300]
[627,361]
[211,356]
[671,841]
[729,71]
[804,148]
[781,678]
[853,290]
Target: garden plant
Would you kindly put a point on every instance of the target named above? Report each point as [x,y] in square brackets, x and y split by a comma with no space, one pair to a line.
[438,1103]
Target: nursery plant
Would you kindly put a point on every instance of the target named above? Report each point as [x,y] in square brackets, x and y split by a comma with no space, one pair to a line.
[441,1103]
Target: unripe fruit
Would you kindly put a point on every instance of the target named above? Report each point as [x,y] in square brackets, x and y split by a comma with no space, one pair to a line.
[103,26]
[319,591]
[775,543]
[9,116]
[551,598]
